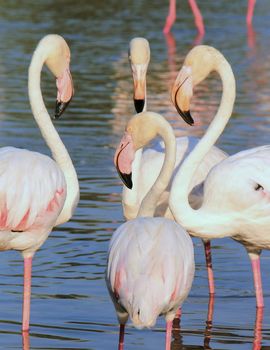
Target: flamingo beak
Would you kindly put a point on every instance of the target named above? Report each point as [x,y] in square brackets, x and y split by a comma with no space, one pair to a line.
[139,80]
[123,159]
[65,92]
[181,94]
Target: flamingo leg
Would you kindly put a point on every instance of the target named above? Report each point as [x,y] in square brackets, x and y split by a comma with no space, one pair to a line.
[197,16]
[208,258]
[256,268]
[26,341]
[171,17]
[168,334]
[121,337]
[258,329]
[250,10]
[26,293]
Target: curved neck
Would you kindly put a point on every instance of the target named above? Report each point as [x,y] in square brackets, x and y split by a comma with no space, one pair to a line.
[150,201]
[196,220]
[51,137]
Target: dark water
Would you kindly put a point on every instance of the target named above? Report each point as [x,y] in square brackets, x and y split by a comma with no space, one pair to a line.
[70,305]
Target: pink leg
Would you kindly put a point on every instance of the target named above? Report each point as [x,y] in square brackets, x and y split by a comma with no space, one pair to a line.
[197,16]
[208,258]
[26,341]
[168,335]
[250,10]
[26,293]
[255,262]
[258,329]
[121,337]
[171,17]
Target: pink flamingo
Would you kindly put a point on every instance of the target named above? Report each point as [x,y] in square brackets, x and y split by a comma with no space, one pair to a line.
[151,260]
[41,193]
[237,190]
[198,16]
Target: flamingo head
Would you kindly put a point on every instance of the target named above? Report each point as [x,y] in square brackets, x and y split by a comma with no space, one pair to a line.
[141,129]
[58,61]
[182,92]
[199,62]
[139,56]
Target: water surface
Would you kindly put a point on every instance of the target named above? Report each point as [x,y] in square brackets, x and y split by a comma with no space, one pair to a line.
[70,305]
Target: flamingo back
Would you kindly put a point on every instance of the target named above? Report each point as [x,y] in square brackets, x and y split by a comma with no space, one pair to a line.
[150,269]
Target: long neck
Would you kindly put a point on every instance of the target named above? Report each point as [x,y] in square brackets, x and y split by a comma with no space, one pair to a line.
[50,135]
[150,201]
[198,220]
[130,197]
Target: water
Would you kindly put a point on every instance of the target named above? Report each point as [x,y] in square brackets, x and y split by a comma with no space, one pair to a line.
[70,305]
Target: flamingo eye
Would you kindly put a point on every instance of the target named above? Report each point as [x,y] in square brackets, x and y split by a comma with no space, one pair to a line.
[258,187]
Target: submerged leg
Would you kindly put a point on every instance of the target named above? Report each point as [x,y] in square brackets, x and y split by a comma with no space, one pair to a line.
[168,334]
[121,337]
[26,293]
[208,258]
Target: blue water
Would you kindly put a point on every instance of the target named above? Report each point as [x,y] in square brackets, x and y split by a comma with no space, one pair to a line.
[70,306]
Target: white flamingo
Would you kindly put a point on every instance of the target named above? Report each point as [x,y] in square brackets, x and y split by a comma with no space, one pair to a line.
[237,190]
[37,192]
[151,261]
[152,158]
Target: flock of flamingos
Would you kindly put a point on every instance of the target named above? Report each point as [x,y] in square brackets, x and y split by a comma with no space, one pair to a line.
[176,188]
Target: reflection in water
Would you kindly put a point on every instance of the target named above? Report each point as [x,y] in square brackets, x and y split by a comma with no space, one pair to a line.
[177,342]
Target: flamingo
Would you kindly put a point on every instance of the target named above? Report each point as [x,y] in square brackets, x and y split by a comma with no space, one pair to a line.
[42,192]
[152,158]
[237,190]
[151,260]
[198,16]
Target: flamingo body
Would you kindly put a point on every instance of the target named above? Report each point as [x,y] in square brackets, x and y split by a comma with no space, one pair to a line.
[32,195]
[150,269]
[244,197]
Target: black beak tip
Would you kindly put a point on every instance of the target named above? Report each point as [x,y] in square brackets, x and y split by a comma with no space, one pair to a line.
[126,178]
[60,108]
[185,115]
[139,105]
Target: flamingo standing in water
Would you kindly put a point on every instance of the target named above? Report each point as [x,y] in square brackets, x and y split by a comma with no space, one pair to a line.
[198,16]
[37,192]
[152,158]
[236,199]
[151,260]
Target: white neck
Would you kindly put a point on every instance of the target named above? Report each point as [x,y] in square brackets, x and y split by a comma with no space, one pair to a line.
[200,221]
[131,196]
[150,201]
[50,135]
